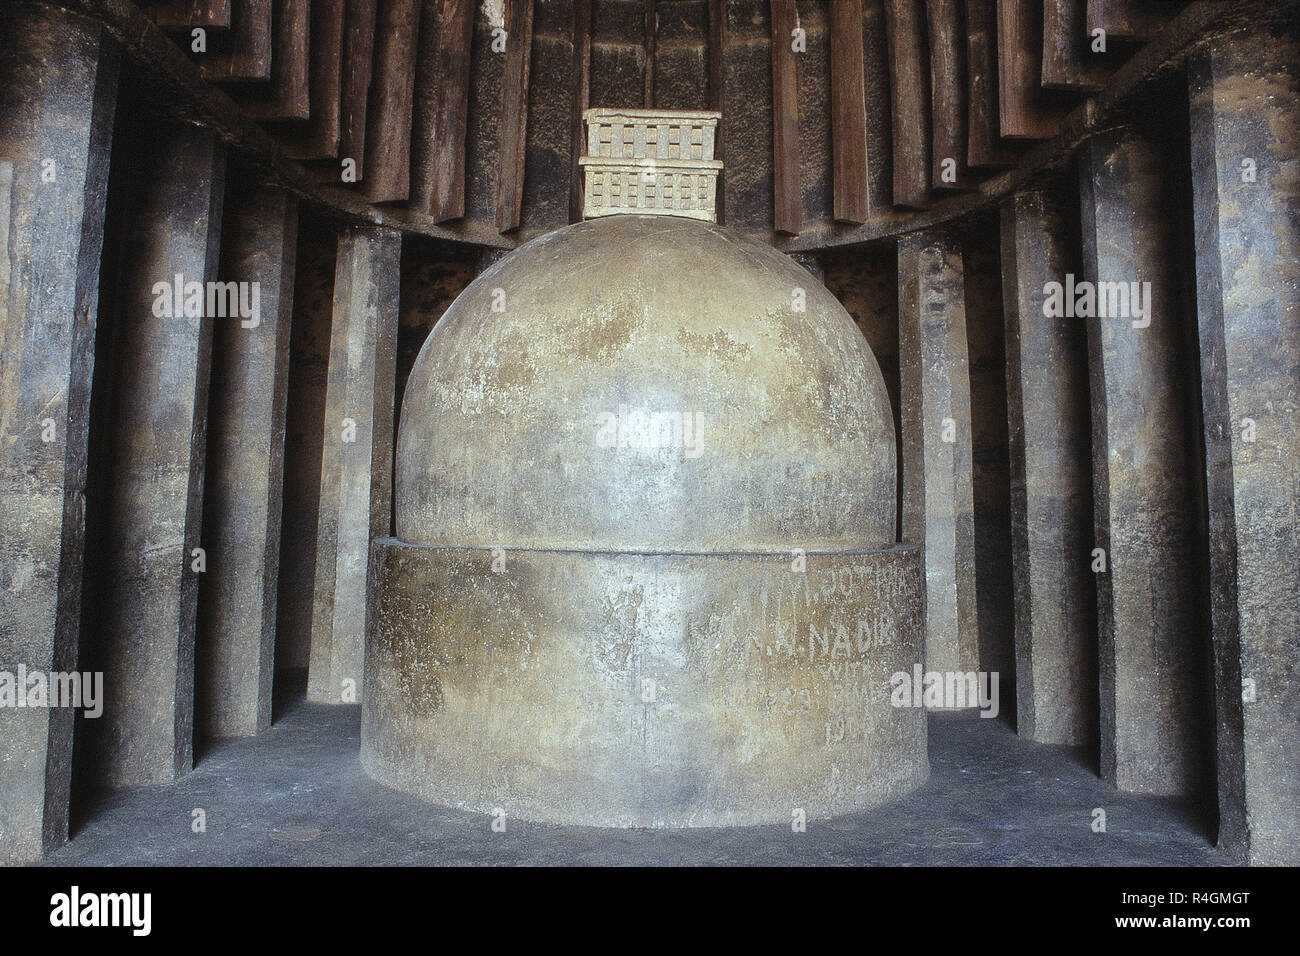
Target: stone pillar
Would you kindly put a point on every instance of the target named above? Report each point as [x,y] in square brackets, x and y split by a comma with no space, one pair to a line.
[242,500]
[938,504]
[1051,487]
[1151,643]
[144,641]
[58,93]
[357,463]
[1246,175]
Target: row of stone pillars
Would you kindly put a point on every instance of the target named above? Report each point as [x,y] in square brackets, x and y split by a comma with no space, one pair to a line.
[1175,658]
[190,432]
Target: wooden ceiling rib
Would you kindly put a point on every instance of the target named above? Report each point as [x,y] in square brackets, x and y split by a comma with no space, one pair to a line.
[354,90]
[580,84]
[514,113]
[285,96]
[186,14]
[392,100]
[1026,110]
[248,54]
[909,76]
[444,119]
[949,115]
[1069,60]
[985,147]
[375,94]
[1130,19]
[848,112]
[319,139]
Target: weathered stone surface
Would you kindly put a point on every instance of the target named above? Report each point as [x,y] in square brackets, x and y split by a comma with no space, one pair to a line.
[681,79]
[357,461]
[143,637]
[1051,487]
[746,183]
[938,504]
[242,500]
[1244,91]
[617,70]
[482,162]
[795,447]
[58,92]
[567,629]
[618,54]
[880,168]
[814,95]
[548,160]
[526,689]
[1151,655]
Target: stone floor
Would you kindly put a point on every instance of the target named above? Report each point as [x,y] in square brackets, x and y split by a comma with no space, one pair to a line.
[297,795]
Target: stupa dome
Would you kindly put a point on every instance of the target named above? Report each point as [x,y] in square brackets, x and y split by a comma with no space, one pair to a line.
[646,384]
[645,570]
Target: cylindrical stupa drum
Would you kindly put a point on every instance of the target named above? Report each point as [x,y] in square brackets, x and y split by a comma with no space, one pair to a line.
[645,571]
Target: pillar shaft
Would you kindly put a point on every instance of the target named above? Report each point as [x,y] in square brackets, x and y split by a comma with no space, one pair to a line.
[242,500]
[58,92]
[938,505]
[357,462]
[1245,143]
[144,640]
[1151,643]
[1051,508]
